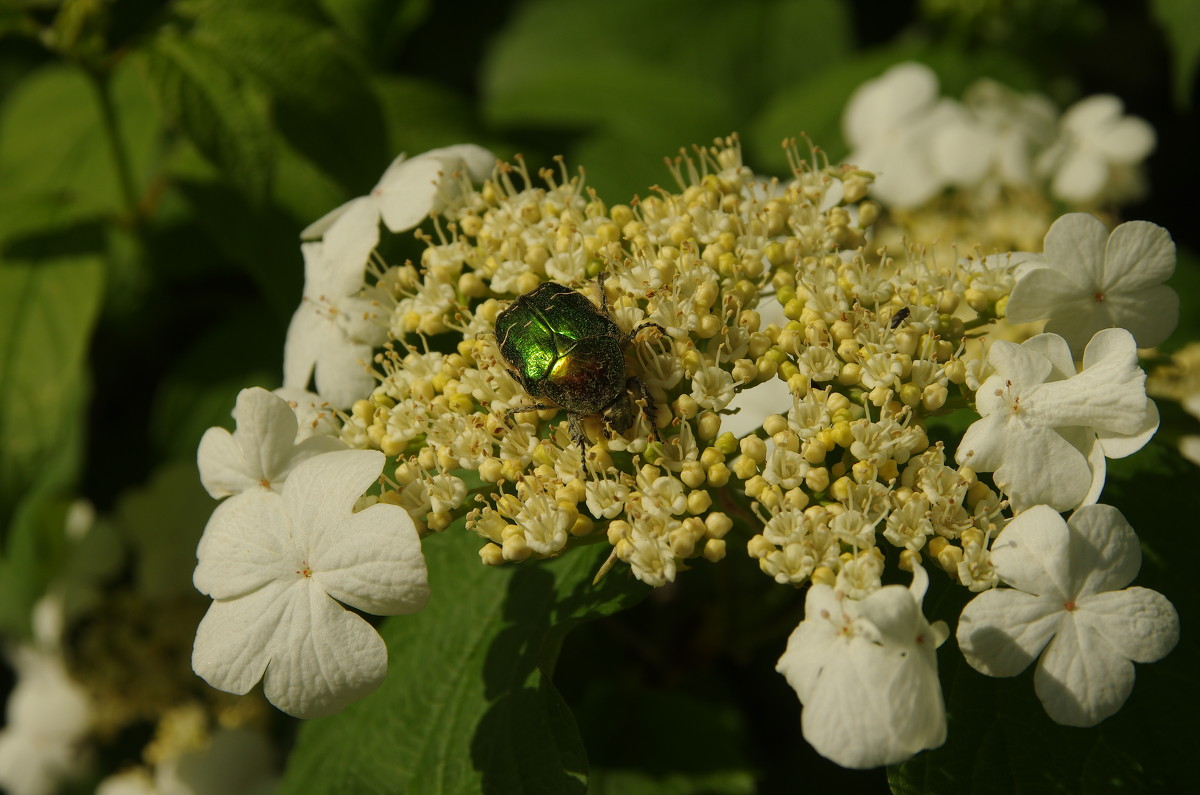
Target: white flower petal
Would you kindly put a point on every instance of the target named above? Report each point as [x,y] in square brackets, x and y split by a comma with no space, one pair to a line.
[1138,623]
[374,563]
[233,641]
[1150,314]
[1057,352]
[1079,679]
[320,494]
[244,545]
[342,371]
[1042,467]
[344,250]
[1105,552]
[223,468]
[323,657]
[1000,632]
[1080,178]
[407,192]
[1075,243]
[1138,255]
[266,432]
[1032,554]
[1045,292]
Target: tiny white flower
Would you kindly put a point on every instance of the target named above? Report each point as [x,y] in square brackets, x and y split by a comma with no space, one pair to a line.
[278,564]
[712,388]
[866,672]
[1067,605]
[261,451]
[1087,280]
[1045,430]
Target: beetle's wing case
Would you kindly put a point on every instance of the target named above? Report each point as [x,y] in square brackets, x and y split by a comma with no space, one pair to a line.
[526,343]
[589,377]
[571,313]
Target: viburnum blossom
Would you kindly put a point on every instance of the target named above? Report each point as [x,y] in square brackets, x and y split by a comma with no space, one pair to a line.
[1086,280]
[1045,430]
[1068,603]
[277,564]
[866,672]
[261,451]
[1097,148]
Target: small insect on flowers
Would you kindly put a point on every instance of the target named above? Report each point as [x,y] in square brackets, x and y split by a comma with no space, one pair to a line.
[562,348]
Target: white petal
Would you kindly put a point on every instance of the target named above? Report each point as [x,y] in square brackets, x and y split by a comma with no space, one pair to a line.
[1127,140]
[1045,292]
[1000,632]
[1138,254]
[1075,243]
[1022,367]
[322,657]
[1080,178]
[1139,623]
[1081,680]
[1032,554]
[342,371]
[407,192]
[1105,552]
[347,246]
[223,468]
[878,105]
[317,228]
[321,492]
[1057,352]
[374,563]
[233,641]
[1040,466]
[266,432]
[1117,445]
[1150,314]
[244,545]
[478,162]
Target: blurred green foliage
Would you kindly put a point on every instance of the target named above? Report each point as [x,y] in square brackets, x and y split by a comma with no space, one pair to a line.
[158,159]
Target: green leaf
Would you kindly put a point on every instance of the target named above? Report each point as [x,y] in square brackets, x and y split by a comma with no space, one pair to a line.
[421,115]
[52,139]
[1180,21]
[468,706]
[322,100]
[223,116]
[377,26]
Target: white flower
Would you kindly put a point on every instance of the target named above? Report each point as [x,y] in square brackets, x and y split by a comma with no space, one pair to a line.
[889,123]
[408,191]
[1096,151]
[48,718]
[866,672]
[334,329]
[1087,280]
[263,449]
[314,416]
[276,563]
[1045,431]
[1065,604]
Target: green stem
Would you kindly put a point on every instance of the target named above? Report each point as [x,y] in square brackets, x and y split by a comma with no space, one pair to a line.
[120,157]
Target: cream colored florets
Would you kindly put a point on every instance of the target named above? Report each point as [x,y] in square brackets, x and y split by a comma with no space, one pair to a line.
[869,347]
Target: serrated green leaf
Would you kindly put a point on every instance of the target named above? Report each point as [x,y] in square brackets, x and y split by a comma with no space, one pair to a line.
[1180,22]
[466,707]
[222,115]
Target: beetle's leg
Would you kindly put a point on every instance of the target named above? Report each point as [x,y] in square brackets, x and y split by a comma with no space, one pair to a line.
[508,415]
[633,334]
[603,295]
[651,411]
[575,429]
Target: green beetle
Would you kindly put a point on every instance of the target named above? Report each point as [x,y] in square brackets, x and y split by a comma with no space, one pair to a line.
[561,348]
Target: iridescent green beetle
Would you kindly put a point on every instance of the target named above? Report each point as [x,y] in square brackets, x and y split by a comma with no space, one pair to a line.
[561,348]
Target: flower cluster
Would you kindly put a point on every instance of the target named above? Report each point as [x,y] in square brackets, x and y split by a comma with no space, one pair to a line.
[717,289]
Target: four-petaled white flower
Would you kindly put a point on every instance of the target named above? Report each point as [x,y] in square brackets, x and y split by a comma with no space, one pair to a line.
[276,562]
[263,449]
[1067,606]
[1087,280]
[1097,152]
[866,672]
[1045,430]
